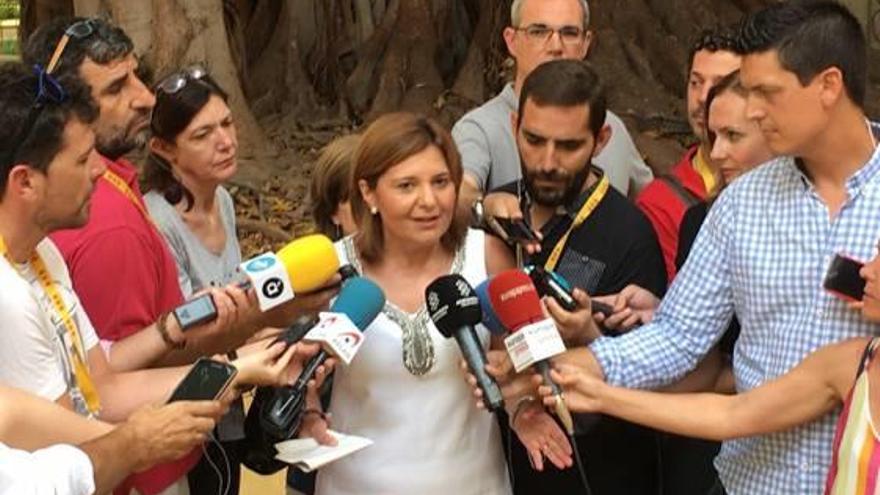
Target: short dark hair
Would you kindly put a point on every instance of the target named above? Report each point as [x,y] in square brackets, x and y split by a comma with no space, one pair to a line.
[106,44]
[810,36]
[719,39]
[19,87]
[172,114]
[566,83]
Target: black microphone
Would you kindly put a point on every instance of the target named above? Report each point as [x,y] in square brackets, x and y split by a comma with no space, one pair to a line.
[455,310]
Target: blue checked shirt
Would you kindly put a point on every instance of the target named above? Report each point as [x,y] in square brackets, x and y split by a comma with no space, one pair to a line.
[762,254]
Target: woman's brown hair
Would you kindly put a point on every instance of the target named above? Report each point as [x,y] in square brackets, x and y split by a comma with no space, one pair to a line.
[331,182]
[388,141]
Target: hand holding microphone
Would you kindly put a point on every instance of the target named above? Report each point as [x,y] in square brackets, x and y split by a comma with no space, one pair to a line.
[534,338]
[340,332]
[455,310]
[276,413]
[302,266]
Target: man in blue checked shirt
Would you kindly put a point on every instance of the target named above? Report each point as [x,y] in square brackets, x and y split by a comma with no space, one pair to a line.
[767,242]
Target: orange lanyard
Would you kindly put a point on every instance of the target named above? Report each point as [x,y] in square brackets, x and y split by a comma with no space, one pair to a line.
[83,380]
[586,210]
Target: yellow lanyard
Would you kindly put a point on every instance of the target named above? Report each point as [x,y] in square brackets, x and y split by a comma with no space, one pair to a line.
[122,186]
[586,210]
[78,357]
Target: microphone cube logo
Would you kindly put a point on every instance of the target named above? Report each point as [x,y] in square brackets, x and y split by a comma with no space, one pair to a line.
[464,290]
[260,263]
[269,278]
[433,301]
[273,287]
[340,336]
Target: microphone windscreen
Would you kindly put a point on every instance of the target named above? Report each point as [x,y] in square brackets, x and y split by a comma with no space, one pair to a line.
[490,319]
[452,304]
[361,300]
[310,262]
[515,299]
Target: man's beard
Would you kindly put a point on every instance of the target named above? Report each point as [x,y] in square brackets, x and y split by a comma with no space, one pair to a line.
[121,142]
[554,196]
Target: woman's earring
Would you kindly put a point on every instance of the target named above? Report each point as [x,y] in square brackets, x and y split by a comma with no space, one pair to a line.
[374,210]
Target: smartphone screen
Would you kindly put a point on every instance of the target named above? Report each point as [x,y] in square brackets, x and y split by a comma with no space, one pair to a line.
[843,278]
[206,380]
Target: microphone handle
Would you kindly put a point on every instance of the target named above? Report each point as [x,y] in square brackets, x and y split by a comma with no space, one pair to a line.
[309,371]
[561,409]
[476,361]
[543,367]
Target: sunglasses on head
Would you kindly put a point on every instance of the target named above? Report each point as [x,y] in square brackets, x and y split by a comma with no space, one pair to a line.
[79,30]
[49,90]
[178,80]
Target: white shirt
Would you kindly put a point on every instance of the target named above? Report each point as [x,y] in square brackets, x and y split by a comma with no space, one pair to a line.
[57,470]
[33,340]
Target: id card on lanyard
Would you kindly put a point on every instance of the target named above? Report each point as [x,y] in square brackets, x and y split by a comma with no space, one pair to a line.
[83,392]
[586,210]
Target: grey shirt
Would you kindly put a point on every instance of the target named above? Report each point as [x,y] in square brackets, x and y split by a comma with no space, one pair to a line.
[488,150]
[197,267]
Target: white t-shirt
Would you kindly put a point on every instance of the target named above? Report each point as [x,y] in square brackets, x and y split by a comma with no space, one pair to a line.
[33,340]
[58,469]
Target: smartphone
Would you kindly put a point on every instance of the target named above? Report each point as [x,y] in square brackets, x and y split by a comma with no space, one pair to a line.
[843,279]
[195,312]
[516,230]
[550,284]
[206,380]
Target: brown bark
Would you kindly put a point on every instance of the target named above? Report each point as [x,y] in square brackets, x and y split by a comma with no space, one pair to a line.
[37,12]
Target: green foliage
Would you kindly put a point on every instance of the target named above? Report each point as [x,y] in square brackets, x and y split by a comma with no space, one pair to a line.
[9,9]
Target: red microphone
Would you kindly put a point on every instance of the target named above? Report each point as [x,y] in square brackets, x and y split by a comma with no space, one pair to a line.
[533,337]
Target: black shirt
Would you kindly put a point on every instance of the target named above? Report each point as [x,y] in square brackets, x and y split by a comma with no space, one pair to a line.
[614,247]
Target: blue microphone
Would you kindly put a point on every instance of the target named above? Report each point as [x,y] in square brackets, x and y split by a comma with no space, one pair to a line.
[490,319]
[361,301]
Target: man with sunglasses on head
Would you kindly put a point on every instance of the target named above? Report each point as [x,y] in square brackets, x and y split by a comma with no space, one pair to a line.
[48,346]
[540,31]
[120,265]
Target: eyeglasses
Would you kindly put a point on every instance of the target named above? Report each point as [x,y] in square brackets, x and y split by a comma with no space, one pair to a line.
[541,33]
[49,90]
[178,80]
[78,30]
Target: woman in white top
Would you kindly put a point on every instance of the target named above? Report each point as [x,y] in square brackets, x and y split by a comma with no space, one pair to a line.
[404,389]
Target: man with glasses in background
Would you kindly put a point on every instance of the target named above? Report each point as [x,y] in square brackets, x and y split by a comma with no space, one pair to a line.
[540,31]
[120,265]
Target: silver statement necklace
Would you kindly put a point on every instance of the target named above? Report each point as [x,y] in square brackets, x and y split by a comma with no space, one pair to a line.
[418,348]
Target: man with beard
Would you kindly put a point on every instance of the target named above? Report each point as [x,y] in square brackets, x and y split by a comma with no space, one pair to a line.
[594,238]
[539,31]
[120,265]
[666,198]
